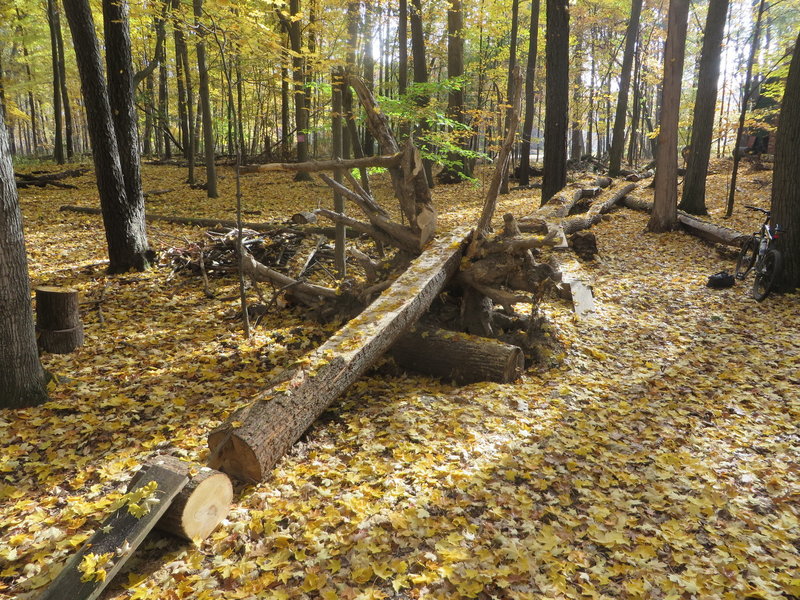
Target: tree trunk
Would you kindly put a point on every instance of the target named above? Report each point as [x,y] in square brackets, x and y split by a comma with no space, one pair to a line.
[179,42]
[556,98]
[368,146]
[402,42]
[420,75]
[62,79]
[182,55]
[693,200]
[458,167]
[205,102]
[123,218]
[786,178]
[58,141]
[530,71]
[149,109]
[576,146]
[665,204]
[748,91]
[618,139]
[298,73]
[22,378]
[163,102]
[512,64]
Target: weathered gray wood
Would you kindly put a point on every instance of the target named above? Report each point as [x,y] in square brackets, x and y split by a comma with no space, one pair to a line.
[119,536]
[252,440]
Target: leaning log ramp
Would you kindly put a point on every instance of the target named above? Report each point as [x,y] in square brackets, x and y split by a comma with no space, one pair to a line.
[254,438]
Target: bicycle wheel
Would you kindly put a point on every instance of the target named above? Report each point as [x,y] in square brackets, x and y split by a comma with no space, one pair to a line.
[747,257]
[766,274]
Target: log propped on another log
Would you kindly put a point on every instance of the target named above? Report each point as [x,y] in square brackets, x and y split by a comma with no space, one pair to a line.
[696,226]
[252,440]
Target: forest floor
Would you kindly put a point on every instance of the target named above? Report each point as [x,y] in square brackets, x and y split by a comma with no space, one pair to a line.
[658,460]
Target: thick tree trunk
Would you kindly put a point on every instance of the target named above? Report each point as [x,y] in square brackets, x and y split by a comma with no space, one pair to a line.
[22,379]
[459,168]
[512,65]
[205,103]
[618,139]
[665,205]
[694,184]
[420,76]
[786,178]
[556,99]
[123,220]
[530,71]
[252,440]
[402,43]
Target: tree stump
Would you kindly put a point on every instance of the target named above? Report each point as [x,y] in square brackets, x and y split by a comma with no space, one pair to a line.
[58,320]
[584,244]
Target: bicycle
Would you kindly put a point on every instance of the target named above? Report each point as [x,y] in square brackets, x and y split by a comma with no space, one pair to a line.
[759,251]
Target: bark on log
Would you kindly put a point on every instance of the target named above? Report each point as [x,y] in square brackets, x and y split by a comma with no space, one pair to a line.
[391,160]
[604,203]
[459,357]
[200,506]
[122,533]
[252,440]
[58,320]
[695,226]
[559,205]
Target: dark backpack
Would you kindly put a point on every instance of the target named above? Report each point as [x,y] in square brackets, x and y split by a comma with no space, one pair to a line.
[720,280]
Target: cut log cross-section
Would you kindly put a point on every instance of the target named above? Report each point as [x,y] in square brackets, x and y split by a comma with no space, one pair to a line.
[58,319]
[200,506]
[252,440]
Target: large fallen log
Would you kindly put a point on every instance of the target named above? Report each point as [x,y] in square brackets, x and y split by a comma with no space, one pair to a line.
[458,357]
[694,225]
[604,203]
[252,440]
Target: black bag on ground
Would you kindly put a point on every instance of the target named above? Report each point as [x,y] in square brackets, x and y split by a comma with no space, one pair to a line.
[720,280]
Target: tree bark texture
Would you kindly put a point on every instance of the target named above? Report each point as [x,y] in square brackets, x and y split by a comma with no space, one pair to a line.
[58,319]
[556,98]
[22,379]
[62,79]
[58,140]
[665,205]
[693,199]
[618,139]
[786,178]
[124,222]
[252,440]
[530,71]
[205,103]
[458,357]
[298,73]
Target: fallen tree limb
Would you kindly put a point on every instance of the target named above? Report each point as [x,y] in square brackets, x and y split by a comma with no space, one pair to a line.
[595,213]
[252,440]
[386,161]
[694,225]
[458,357]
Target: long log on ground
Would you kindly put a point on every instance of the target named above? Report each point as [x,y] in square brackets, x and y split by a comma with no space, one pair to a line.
[559,205]
[457,356]
[89,571]
[210,223]
[599,207]
[200,506]
[391,160]
[694,225]
[253,439]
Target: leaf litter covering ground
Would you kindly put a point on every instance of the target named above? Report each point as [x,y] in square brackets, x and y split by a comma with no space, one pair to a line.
[658,461]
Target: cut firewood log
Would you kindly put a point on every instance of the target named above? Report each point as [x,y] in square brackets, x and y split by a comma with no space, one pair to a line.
[694,225]
[457,356]
[303,218]
[252,440]
[89,571]
[58,319]
[200,506]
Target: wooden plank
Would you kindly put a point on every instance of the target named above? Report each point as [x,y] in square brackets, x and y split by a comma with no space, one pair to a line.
[252,440]
[119,536]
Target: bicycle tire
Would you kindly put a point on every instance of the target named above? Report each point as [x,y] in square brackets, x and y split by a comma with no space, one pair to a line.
[747,257]
[766,274]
